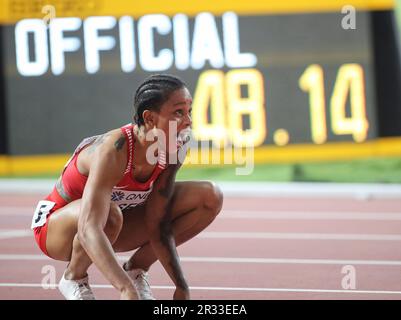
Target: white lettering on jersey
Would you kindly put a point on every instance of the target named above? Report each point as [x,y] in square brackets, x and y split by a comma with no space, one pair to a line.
[129,199]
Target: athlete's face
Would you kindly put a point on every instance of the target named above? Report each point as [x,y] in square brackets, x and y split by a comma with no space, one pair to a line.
[176,113]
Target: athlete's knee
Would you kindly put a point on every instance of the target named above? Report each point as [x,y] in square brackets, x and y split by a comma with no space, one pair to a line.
[212,197]
[115,219]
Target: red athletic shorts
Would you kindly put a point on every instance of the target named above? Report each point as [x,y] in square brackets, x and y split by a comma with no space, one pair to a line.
[44,210]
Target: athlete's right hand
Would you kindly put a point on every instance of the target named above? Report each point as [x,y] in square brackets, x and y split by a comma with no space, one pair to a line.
[129,294]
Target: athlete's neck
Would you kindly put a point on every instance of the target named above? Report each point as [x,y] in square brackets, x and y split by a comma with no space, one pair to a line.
[141,145]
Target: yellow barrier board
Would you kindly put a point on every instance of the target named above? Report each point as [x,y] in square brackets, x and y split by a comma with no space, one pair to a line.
[31,165]
[14,10]
[341,151]
[303,153]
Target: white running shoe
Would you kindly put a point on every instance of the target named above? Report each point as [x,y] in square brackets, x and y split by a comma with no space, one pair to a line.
[140,278]
[76,289]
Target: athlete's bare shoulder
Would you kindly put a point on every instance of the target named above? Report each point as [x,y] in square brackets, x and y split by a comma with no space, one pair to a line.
[111,145]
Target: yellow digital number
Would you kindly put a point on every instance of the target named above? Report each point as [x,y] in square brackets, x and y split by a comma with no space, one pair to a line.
[210,89]
[222,94]
[312,80]
[252,105]
[349,81]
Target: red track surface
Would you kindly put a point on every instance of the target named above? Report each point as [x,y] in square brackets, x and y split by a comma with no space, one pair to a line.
[293,236]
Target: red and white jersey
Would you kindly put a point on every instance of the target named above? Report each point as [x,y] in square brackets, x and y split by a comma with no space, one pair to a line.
[128,193]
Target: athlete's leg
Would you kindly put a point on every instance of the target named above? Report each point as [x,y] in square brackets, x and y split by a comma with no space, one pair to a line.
[62,241]
[194,206]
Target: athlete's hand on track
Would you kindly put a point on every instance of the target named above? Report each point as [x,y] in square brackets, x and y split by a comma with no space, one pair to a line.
[181,294]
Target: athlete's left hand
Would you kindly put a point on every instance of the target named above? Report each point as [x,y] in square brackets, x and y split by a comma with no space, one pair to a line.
[181,294]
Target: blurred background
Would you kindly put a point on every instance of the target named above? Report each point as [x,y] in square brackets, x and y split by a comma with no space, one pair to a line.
[294,91]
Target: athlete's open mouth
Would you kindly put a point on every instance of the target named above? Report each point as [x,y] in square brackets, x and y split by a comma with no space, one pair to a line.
[184,136]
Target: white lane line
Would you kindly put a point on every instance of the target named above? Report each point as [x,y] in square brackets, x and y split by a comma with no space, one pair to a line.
[40,257]
[299,236]
[292,261]
[299,215]
[10,234]
[17,211]
[33,257]
[260,214]
[358,191]
[105,286]
[247,189]
[20,233]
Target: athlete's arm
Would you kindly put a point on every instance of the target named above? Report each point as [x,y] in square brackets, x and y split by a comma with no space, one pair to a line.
[158,221]
[106,169]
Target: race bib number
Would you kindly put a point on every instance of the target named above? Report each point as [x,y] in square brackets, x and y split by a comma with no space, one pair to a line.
[41,213]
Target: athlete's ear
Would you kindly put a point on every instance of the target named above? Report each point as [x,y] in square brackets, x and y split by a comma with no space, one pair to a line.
[149,119]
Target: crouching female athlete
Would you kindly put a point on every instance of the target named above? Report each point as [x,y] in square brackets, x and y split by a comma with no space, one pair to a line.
[110,198]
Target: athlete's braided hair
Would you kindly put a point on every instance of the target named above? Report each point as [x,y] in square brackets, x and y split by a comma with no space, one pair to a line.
[153,92]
